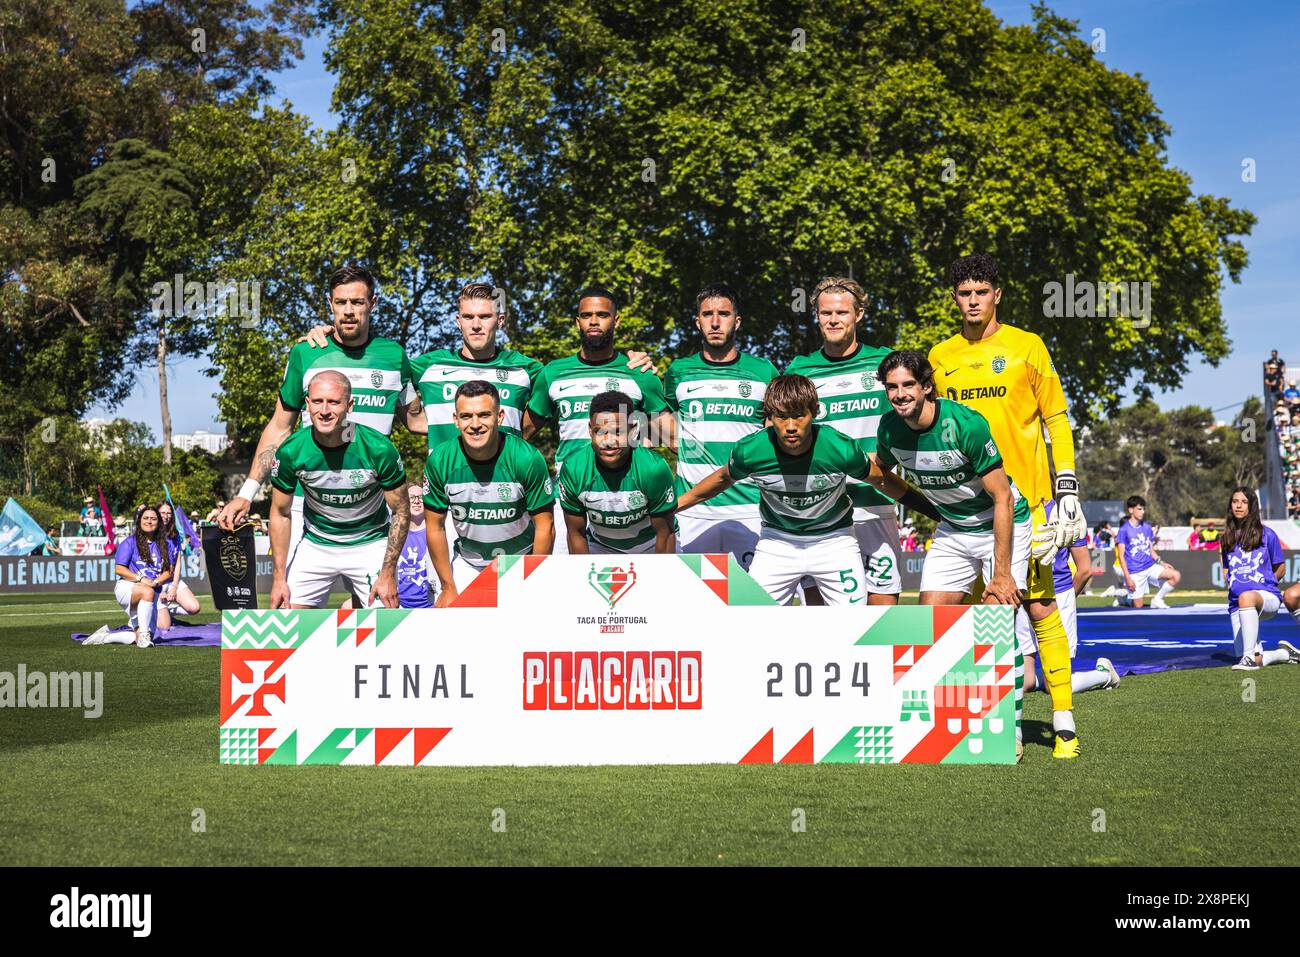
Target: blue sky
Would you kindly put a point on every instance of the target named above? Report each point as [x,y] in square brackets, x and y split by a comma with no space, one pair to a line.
[1226,76]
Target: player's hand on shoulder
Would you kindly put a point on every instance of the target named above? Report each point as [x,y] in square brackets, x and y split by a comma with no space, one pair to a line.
[639,361]
[318,336]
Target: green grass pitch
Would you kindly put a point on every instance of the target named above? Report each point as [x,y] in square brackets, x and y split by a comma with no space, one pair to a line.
[1184,770]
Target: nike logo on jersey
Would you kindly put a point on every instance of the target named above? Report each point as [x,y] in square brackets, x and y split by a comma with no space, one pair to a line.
[689,390]
[572,385]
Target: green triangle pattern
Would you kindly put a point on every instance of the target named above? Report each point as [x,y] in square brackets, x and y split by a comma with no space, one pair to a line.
[505,563]
[692,561]
[389,619]
[864,744]
[901,625]
[287,753]
[741,589]
[994,625]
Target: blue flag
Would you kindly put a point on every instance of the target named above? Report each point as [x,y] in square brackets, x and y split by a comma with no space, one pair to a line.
[183,524]
[19,533]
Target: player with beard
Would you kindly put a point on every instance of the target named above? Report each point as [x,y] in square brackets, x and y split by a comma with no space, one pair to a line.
[717,397]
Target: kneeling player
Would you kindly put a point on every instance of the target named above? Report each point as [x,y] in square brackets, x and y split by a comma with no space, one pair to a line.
[1068,585]
[617,497]
[986,529]
[496,486]
[802,472]
[1252,566]
[348,472]
[1139,563]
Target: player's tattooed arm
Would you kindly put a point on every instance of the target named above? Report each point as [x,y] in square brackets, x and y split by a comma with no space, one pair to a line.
[715,484]
[887,482]
[276,431]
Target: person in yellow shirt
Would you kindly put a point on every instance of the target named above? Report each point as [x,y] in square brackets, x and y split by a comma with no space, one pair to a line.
[1007,376]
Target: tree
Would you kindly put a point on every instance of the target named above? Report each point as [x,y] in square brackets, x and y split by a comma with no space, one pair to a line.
[1179,461]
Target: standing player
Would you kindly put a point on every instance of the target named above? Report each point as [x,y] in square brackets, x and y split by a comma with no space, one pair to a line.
[851,401]
[496,487]
[717,397]
[1006,375]
[617,497]
[1068,585]
[378,373]
[352,479]
[1139,562]
[802,471]
[1253,564]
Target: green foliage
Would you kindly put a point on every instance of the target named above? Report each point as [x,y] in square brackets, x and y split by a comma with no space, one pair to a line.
[1179,461]
[44,512]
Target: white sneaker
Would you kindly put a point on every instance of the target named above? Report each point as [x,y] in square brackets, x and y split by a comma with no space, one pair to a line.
[1291,650]
[1115,603]
[1158,603]
[96,637]
[1105,664]
[144,639]
[1248,663]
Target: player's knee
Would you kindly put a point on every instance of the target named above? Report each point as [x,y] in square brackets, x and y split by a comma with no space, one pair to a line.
[142,594]
[1249,599]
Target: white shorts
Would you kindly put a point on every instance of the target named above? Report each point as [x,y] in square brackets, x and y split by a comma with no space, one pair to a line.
[882,558]
[561,543]
[122,592]
[1067,605]
[1147,578]
[833,563]
[1272,604]
[957,558]
[313,568]
[596,548]
[737,536]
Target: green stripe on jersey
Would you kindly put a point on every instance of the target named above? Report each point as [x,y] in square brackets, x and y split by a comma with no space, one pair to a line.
[379,372]
[490,502]
[717,404]
[439,373]
[852,401]
[945,463]
[343,486]
[805,494]
[618,505]
[564,390]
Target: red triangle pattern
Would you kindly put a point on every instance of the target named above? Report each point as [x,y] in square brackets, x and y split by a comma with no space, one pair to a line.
[801,753]
[718,586]
[531,562]
[945,616]
[482,591]
[263,754]
[386,739]
[718,561]
[426,739]
[363,634]
[342,615]
[760,753]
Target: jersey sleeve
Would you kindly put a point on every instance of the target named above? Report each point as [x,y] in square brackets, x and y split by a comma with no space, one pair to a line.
[389,468]
[1122,536]
[533,369]
[884,451]
[737,465]
[569,490]
[126,552]
[857,463]
[539,491]
[291,394]
[652,392]
[1044,380]
[670,388]
[1275,556]
[408,393]
[435,493]
[539,400]
[660,493]
[979,447]
[283,476]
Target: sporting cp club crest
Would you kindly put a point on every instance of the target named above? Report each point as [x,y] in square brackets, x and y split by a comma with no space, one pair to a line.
[232,557]
[746,390]
[504,492]
[868,380]
[503,375]
[611,385]
[999,363]
[376,378]
[357,478]
[612,582]
[636,500]
[946,459]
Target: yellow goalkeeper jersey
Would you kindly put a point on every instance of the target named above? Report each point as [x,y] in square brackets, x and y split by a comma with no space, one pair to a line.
[1010,380]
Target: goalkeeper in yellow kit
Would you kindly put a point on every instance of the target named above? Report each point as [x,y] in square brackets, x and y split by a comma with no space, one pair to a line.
[1006,375]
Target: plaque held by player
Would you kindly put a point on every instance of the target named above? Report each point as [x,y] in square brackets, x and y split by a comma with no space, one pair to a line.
[232,567]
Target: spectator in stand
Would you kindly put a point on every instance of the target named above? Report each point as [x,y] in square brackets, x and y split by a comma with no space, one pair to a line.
[1272,379]
[51,546]
[1278,361]
[1194,539]
[1292,395]
[91,522]
[176,594]
[211,517]
[416,578]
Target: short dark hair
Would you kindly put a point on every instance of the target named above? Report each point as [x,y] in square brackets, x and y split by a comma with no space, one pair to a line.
[352,273]
[476,290]
[718,290]
[913,361]
[475,388]
[1134,500]
[977,267]
[596,291]
[612,401]
[790,395]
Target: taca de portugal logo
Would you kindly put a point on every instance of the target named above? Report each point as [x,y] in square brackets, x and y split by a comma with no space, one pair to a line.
[612,582]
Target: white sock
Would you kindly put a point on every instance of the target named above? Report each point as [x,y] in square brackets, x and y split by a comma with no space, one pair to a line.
[1248,618]
[1166,587]
[1278,656]
[146,611]
[119,638]
[1082,681]
[1020,696]
[1295,613]
[1062,721]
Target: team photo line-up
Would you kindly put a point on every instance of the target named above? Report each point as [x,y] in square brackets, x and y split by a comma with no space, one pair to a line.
[798,475]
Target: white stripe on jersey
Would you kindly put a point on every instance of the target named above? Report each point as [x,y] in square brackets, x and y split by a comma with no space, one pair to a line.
[332,478]
[706,389]
[718,430]
[458,374]
[930,461]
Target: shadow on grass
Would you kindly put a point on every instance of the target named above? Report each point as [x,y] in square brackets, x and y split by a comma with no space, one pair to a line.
[1038,732]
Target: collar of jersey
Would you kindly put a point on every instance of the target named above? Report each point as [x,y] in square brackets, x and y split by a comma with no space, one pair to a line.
[603,362]
[844,358]
[460,354]
[709,362]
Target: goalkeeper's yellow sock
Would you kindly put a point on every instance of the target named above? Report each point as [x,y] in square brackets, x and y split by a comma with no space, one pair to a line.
[1054,651]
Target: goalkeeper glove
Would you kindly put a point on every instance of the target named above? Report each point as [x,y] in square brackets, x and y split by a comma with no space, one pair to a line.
[1070,523]
[1042,546]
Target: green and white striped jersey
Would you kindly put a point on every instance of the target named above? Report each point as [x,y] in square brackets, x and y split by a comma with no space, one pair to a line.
[491,503]
[946,463]
[565,389]
[852,402]
[618,505]
[717,404]
[379,371]
[801,494]
[438,374]
[343,487]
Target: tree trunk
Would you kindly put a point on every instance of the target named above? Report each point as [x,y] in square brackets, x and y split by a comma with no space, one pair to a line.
[162,393]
